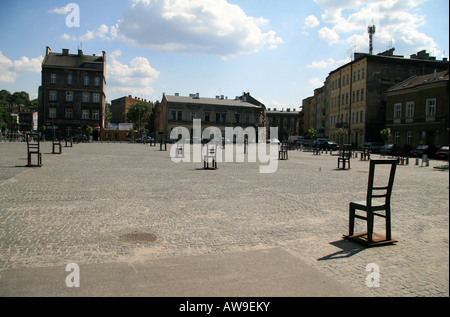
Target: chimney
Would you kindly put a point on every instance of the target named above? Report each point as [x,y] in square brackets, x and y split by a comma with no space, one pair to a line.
[65,51]
[80,53]
[47,50]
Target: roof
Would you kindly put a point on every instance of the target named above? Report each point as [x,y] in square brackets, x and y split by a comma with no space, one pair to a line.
[210,101]
[416,81]
[70,60]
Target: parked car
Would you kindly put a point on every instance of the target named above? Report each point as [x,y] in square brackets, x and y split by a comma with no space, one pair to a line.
[401,150]
[171,140]
[79,138]
[303,142]
[374,147]
[327,145]
[442,153]
[386,149]
[429,150]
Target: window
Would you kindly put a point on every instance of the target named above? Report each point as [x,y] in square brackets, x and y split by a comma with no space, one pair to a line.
[207,115]
[357,95]
[396,137]
[69,96]
[353,117]
[52,96]
[397,111]
[69,114]
[52,113]
[220,117]
[354,94]
[86,80]
[362,94]
[410,109]
[361,118]
[53,79]
[95,115]
[69,79]
[346,98]
[96,98]
[173,115]
[431,107]
[180,115]
[97,81]
[193,115]
[85,97]
[363,71]
[409,137]
[237,117]
[85,114]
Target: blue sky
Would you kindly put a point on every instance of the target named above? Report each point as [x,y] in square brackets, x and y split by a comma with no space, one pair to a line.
[279,51]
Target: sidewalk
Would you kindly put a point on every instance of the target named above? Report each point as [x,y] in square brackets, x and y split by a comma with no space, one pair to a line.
[225,232]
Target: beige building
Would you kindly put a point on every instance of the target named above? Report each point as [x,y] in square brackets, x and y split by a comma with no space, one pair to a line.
[355,98]
[180,111]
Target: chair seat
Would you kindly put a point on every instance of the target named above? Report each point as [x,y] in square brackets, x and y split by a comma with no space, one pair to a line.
[363,203]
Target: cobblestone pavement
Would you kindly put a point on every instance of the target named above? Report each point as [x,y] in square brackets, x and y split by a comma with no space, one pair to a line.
[77,206]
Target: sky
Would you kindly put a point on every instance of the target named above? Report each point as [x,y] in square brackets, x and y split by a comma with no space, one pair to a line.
[278,51]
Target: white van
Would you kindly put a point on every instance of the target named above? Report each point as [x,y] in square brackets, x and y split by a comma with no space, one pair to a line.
[294,138]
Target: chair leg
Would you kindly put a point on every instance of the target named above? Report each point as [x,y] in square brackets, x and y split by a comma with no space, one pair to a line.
[351,220]
[369,226]
[388,223]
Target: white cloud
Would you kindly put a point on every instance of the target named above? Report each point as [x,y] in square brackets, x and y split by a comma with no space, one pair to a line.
[101,32]
[315,83]
[25,64]
[310,22]
[197,26]
[6,67]
[135,78]
[9,69]
[61,10]
[329,35]
[396,21]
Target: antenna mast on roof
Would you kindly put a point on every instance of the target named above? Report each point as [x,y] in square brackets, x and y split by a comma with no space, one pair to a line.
[371,31]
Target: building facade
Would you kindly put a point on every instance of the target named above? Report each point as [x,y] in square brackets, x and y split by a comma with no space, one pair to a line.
[72,93]
[119,107]
[180,111]
[355,96]
[417,110]
[287,122]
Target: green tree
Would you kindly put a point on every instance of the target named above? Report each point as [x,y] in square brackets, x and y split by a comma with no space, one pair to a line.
[108,113]
[139,114]
[385,135]
[5,118]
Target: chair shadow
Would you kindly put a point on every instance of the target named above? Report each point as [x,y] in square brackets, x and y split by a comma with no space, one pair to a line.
[348,249]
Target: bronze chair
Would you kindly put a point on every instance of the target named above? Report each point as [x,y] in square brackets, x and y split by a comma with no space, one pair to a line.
[374,208]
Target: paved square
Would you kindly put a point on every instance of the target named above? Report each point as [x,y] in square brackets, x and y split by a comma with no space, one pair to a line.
[78,207]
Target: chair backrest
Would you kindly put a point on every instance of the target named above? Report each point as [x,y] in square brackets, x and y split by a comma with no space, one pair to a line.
[384,191]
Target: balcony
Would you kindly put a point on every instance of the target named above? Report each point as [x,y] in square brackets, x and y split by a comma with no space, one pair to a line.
[343,125]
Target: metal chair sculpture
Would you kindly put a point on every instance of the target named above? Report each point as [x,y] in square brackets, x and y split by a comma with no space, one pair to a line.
[374,208]
[283,152]
[211,155]
[345,156]
[34,147]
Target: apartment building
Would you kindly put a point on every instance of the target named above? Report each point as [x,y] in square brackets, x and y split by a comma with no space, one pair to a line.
[287,121]
[72,93]
[180,111]
[417,110]
[355,93]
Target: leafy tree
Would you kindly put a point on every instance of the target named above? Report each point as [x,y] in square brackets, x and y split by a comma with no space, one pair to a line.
[385,135]
[108,113]
[5,118]
[139,114]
